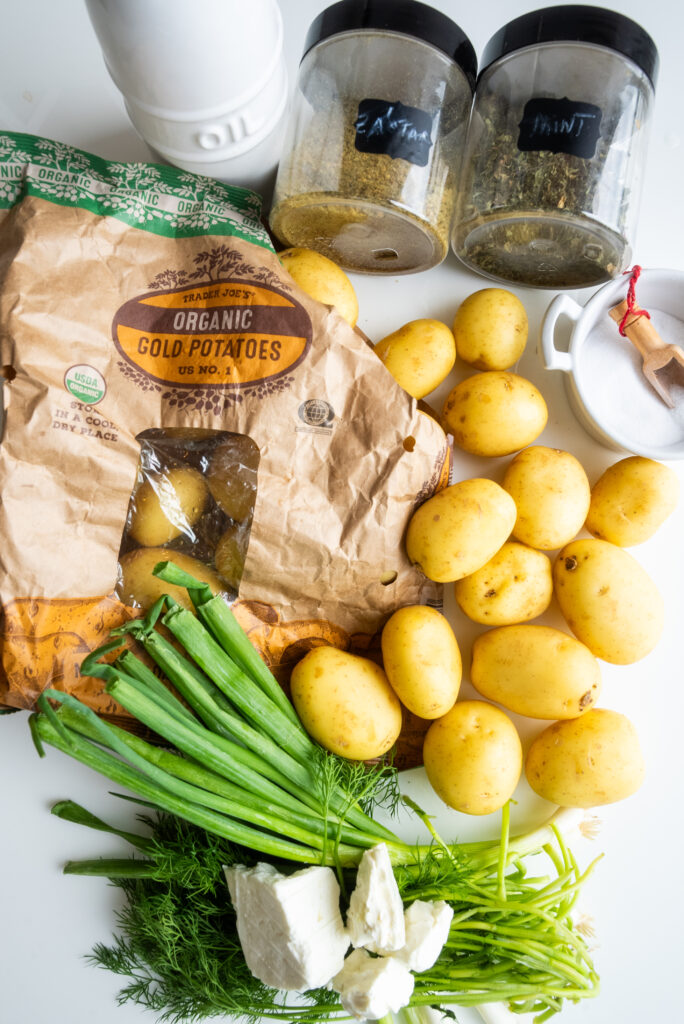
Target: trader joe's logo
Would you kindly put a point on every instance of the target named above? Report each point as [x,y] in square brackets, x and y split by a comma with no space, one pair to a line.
[220,334]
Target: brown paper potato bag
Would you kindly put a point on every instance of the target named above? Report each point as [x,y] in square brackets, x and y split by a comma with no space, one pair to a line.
[169,392]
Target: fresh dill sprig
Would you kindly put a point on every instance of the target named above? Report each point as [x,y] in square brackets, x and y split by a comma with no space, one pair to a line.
[432,873]
[371,786]
[189,857]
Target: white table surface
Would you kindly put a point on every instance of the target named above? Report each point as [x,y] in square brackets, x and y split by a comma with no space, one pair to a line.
[53,82]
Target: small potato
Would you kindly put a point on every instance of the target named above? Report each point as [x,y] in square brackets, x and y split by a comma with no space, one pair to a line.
[229,556]
[514,586]
[608,600]
[419,355]
[232,477]
[490,328]
[346,703]
[167,504]
[631,500]
[551,492]
[458,530]
[535,671]
[140,589]
[426,410]
[494,413]
[587,761]
[422,660]
[473,757]
[322,280]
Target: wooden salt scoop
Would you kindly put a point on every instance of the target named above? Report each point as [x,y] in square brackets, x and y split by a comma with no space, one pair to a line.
[663,364]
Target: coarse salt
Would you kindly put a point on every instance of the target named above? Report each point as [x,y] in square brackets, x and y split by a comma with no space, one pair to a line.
[617,394]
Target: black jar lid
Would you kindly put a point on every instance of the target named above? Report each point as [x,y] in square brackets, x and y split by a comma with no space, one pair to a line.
[576,23]
[407,17]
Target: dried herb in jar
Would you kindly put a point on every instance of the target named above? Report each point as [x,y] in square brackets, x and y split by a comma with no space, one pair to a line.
[368,170]
[555,148]
[371,211]
[527,216]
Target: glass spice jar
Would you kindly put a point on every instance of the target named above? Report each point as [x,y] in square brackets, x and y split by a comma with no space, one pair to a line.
[551,176]
[380,114]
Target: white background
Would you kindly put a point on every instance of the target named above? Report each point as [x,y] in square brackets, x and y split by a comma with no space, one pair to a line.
[53,82]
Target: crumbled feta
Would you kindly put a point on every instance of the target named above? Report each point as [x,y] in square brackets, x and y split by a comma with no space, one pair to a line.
[290,926]
[427,929]
[375,919]
[370,987]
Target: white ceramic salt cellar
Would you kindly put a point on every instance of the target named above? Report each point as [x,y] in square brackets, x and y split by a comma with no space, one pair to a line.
[603,370]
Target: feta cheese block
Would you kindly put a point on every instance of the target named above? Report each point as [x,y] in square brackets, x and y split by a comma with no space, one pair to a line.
[375,919]
[370,987]
[290,926]
[427,929]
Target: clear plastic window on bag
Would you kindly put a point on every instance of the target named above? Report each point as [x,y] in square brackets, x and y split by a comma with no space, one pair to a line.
[192,504]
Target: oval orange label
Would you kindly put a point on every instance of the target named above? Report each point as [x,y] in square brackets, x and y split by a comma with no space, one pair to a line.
[221,334]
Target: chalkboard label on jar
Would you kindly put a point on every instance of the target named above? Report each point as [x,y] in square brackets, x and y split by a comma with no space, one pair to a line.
[560,126]
[399,131]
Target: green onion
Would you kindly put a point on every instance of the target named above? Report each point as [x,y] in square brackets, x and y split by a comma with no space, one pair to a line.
[297,777]
[67,810]
[112,867]
[132,666]
[242,691]
[221,621]
[191,772]
[215,752]
[259,801]
[219,824]
[217,713]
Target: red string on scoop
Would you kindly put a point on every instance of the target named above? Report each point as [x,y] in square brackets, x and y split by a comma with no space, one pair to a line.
[631,299]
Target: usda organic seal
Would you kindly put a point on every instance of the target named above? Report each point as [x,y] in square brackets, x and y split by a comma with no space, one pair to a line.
[85,383]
